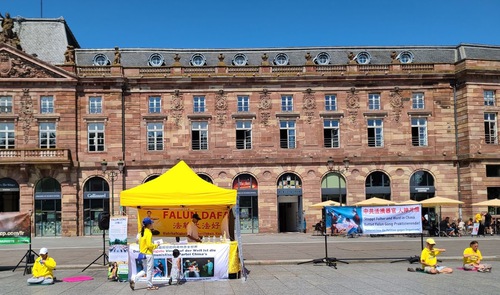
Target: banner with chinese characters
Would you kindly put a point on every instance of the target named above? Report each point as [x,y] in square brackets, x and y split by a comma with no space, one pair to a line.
[199,261]
[373,220]
[173,222]
[15,228]
[118,248]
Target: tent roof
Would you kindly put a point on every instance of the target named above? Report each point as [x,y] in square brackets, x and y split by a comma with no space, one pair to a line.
[178,187]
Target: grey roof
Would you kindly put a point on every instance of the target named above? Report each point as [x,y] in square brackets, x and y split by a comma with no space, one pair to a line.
[45,38]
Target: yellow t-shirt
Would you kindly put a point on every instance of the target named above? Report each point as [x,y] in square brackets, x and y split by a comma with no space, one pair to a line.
[146,245]
[478,217]
[429,257]
[45,269]
[472,259]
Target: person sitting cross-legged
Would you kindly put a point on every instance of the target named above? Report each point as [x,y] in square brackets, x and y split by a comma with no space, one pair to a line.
[428,258]
[43,268]
[472,258]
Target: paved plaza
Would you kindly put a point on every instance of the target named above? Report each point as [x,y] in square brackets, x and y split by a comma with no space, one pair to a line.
[272,261]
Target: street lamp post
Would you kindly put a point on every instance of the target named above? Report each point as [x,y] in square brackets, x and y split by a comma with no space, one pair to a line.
[112,175]
[331,167]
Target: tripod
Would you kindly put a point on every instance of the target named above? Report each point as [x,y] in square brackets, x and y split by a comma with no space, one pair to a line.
[104,256]
[29,256]
[329,261]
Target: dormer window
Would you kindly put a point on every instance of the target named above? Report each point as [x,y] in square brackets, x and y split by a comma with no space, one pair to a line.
[405,57]
[363,58]
[240,60]
[322,58]
[101,60]
[198,60]
[281,59]
[156,60]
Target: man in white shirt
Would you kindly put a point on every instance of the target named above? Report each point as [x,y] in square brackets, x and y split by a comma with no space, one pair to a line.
[192,229]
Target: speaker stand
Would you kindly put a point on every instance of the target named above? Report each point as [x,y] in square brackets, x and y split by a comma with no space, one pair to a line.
[29,256]
[104,256]
[329,261]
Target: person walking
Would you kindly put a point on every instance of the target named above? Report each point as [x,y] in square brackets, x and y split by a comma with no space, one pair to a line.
[146,247]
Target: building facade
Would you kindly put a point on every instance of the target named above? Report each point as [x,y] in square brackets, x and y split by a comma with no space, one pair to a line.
[286,127]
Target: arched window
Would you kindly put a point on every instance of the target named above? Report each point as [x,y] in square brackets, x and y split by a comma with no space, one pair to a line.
[95,201]
[206,178]
[333,188]
[151,177]
[247,187]
[290,214]
[378,185]
[48,207]
[9,195]
[421,186]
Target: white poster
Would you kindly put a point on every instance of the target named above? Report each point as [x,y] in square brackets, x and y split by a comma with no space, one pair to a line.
[199,261]
[392,219]
[118,248]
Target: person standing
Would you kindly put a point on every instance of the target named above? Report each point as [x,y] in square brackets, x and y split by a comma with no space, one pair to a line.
[192,229]
[43,268]
[428,259]
[472,258]
[487,224]
[146,247]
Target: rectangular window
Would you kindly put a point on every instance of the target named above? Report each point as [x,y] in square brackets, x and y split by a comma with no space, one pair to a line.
[374,101]
[330,102]
[417,101]
[419,131]
[287,103]
[243,104]
[7,136]
[490,128]
[5,104]
[96,137]
[95,105]
[46,105]
[155,136]
[199,104]
[47,135]
[331,133]
[154,104]
[243,135]
[287,134]
[199,135]
[492,170]
[489,97]
[375,133]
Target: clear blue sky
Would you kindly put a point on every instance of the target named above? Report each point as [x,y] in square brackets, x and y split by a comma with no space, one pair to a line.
[268,23]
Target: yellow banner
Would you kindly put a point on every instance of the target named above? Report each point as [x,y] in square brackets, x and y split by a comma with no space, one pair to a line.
[173,222]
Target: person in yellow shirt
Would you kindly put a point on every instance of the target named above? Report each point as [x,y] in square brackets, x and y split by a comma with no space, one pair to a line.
[43,268]
[428,259]
[146,247]
[472,258]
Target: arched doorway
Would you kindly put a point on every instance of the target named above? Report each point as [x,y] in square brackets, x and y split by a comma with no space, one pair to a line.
[332,187]
[378,185]
[247,188]
[422,188]
[95,201]
[48,207]
[289,191]
[9,195]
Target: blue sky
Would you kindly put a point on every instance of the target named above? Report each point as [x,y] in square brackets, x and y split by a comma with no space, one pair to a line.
[268,23]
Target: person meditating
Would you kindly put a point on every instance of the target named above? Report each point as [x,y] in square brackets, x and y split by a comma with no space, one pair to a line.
[43,268]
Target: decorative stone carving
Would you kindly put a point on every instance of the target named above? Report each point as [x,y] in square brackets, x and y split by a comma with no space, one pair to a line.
[14,67]
[118,57]
[264,106]
[221,101]
[264,118]
[352,105]
[176,107]
[396,104]
[26,114]
[394,56]
[309,58]
[221,60]
[309,105]
[69,55]
[351,57]
[264,60]
[177,60]
[8,36]
[221,118]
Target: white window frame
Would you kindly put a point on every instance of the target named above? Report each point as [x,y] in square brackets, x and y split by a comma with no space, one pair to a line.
[363,58]
[330,102]
[155,136]
[47,135]
[96,137]
[287,103]
[7,136]
[156,60]
[490,128]
[95,105]
[6,104]
[101,60]
[377,127]
[199,133]
[489,97]
[288,134]
[374,101]
[198,60]
[244,130]
[419,131]
[405,57]
[331,127]
[46,105]
[281,59]
[199,102]
[240,60]
[154,104]
[418,101]
[322,58]
[243,103]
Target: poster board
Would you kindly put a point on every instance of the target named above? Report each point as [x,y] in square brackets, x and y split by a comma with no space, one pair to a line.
[15,228]
[118,248]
